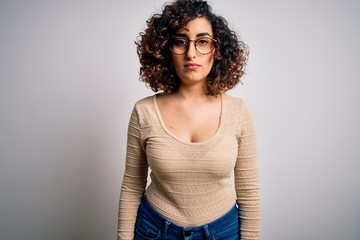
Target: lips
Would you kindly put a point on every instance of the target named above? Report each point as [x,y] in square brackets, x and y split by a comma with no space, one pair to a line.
[192,66]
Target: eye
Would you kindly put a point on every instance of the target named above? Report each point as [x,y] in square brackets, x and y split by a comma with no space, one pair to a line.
[180,42]
[203,41]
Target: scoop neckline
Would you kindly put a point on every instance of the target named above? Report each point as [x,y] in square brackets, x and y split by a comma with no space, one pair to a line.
[169,133]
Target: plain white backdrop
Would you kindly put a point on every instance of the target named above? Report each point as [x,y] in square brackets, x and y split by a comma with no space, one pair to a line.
[69,79]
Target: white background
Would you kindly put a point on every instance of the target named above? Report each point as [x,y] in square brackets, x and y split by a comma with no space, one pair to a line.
[69,79]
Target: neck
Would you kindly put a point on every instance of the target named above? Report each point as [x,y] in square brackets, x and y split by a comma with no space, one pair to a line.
[193,96]
[192,91]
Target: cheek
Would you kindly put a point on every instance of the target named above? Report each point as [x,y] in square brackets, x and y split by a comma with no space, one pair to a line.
[211,58]
[175,61]
[210,61]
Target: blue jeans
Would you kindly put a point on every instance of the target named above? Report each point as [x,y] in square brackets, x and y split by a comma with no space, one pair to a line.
[151,225]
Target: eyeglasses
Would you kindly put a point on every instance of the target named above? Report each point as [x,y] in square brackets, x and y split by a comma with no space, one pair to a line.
[203,45]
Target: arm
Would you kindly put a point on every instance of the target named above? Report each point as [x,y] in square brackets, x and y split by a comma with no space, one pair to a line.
[247,179]
[134,180]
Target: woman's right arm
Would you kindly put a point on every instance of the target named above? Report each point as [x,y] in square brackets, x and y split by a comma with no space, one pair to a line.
[134,180]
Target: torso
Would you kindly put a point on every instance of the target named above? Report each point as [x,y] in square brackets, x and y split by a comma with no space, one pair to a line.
[191,170]
[190,120]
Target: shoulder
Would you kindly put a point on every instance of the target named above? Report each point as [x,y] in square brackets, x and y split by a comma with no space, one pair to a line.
[233,102]
[236,108]
[143,102]
[237,114]
[144,108]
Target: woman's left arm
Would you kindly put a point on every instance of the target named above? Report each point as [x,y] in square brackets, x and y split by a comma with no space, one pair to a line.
[247,178]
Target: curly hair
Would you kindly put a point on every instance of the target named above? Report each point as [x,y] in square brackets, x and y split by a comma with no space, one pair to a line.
[153,48]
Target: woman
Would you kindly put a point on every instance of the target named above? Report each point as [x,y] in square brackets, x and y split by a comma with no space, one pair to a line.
[190,134]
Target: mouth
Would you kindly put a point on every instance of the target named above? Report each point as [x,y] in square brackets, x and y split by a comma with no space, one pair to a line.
[192,66]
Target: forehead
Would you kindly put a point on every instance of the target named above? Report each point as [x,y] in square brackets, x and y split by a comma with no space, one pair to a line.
[196,26]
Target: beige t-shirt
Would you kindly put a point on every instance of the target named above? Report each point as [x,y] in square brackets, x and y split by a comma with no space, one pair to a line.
[191,182]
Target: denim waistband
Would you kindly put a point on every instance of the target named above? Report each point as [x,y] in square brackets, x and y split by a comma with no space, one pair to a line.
[218,223]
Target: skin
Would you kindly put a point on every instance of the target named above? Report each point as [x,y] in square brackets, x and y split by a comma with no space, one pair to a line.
[190,114]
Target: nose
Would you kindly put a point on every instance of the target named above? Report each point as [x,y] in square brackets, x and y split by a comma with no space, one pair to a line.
[191,52]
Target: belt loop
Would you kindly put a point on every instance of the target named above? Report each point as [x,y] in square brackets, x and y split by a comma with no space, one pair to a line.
[207,232]
[166,228]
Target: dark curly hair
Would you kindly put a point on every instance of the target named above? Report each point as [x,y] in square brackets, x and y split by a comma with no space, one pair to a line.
[153,48]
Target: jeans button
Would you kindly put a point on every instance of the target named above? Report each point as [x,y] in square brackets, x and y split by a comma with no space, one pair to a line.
[188,233]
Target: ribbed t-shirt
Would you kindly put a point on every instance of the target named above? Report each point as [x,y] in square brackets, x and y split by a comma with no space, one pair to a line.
[191,182]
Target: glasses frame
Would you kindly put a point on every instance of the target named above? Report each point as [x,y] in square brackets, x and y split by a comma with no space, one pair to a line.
[195,45]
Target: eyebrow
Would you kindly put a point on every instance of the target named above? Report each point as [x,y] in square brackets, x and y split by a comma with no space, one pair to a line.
[197,35]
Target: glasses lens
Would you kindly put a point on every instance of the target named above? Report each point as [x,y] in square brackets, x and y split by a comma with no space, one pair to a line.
[179,45]
[203,45]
